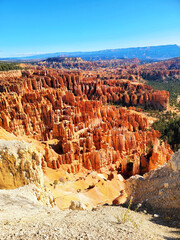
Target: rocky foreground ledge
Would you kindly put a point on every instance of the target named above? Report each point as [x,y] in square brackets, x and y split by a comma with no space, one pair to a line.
[159,189]
[23,215]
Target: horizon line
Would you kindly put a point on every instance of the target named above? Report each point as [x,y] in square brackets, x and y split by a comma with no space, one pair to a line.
[82,51]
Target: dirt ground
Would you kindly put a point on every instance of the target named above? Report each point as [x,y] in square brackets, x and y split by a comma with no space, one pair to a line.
[23,217]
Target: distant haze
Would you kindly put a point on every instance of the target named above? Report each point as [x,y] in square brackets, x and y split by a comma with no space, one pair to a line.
[142,53]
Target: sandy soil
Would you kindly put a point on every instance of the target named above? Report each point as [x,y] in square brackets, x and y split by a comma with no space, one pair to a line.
[76,188]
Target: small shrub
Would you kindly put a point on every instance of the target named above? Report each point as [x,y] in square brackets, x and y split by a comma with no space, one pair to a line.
[55,182]
[126,216]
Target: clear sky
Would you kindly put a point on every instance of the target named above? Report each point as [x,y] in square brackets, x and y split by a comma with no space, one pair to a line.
[41,26]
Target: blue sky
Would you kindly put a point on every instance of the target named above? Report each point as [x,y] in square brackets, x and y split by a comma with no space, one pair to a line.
[41,26]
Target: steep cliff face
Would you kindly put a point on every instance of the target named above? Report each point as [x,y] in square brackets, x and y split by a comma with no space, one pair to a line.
[51,104]
[20,164]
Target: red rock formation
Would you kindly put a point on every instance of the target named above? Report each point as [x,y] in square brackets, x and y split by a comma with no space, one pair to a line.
[51,104]
[161,153]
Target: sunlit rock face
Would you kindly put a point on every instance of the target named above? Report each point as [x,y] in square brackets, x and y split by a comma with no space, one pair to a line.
[20,164]
[158,188]
[49,104]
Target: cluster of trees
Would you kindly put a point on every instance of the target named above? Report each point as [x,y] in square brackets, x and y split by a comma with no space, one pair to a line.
[173,87]
[6,66]
[169,127]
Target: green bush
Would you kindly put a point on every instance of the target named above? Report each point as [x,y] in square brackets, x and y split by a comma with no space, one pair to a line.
[172,86]
[55,182]
[169,127]
[5,66]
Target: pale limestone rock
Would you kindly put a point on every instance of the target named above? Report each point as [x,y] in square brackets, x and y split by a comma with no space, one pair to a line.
[20,164]
[174,163]
[159,188]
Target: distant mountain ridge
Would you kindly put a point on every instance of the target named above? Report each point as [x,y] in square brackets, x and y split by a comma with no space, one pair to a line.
[143,53]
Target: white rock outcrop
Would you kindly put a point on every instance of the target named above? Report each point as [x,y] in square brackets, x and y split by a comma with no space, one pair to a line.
[158,188]
[174,163]
[20,164]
